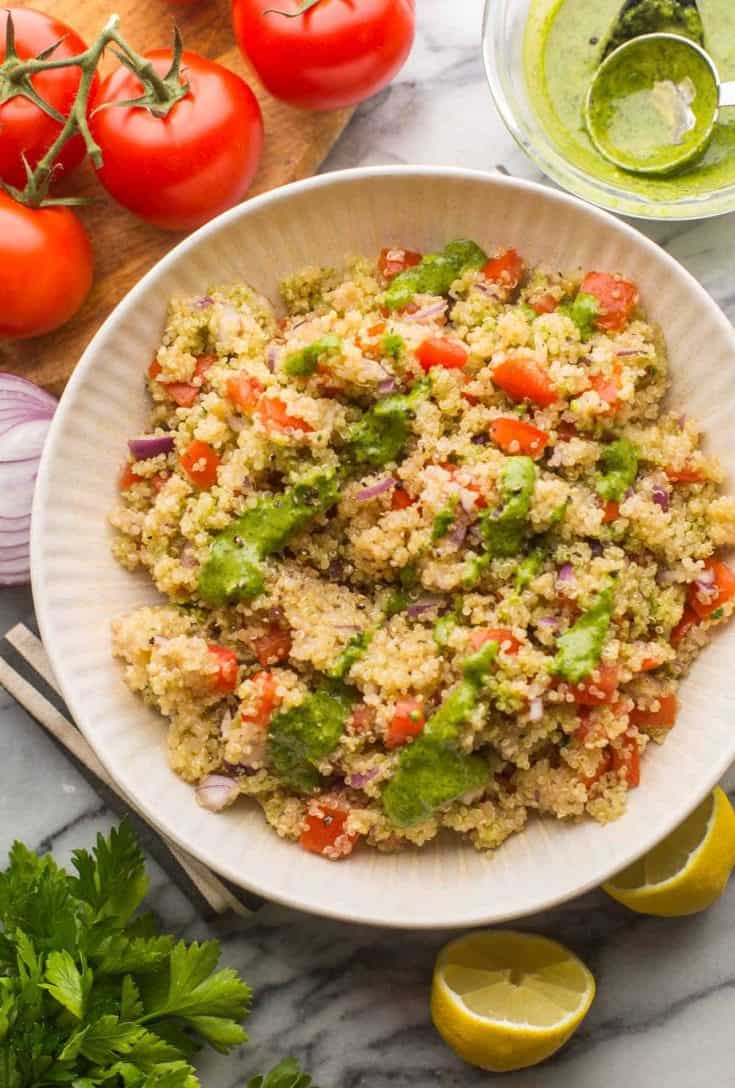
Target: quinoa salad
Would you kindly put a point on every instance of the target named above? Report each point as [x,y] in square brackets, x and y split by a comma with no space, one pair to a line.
[434,554]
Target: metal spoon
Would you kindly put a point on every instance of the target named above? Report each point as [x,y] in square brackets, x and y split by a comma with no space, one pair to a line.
[683,113]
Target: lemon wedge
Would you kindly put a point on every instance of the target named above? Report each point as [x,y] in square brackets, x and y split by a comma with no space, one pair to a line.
[504,1000]
[688,870]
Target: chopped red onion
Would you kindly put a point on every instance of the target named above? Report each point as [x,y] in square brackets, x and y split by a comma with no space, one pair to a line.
[682,421]
[660,496]
[387,385]
[459,531]
[628,494]
[480,439]
[551,622]
[467,500]
[436,309]
[150,445]
[596,547]
[235,423]
[203,302]
[188,557]
[535,710]
[486,288]
[705,578]
[25,417]
[271,355]
[357,781]
[629,351]
[422,605]
[216,792]
[566,573]
[375,489]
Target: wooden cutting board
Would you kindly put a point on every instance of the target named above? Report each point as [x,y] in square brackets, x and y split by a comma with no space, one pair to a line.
[296,143]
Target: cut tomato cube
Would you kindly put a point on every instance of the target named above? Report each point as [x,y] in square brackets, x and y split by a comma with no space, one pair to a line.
[267,700]
[400,499]
[393,261]
[601,687]
[685,475]
[514,436]
[610,512]
[617,298]
[128,477]
[506,269]
[244,391]
[227,667]
[505,639]
[689,619]
[663,718]
[324,831]
[273,413]
[362,718]
[544,304]
[273,646]
[407,722]
[200,463]
[705,600]
[522,379]
[607,386]
[626,760]
[439,351]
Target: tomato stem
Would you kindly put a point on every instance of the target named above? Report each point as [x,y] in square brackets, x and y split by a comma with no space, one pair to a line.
[307,5]
[161,93]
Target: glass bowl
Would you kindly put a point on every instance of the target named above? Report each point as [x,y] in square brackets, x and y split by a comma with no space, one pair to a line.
[504,25]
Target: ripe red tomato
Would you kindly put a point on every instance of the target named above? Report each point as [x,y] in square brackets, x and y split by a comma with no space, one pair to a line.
[46,260]
[180,170]
[24,128]
[336,54]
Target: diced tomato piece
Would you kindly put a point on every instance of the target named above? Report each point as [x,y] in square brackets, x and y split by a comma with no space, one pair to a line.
[722,589]
[400,499]
[273,646]
[408,721]
[626,761]
[244,391]
[393,261]
[506,269]
[480,501]
[185,393]
[505,639]
[688,620]
[685,475]
[604,765]
[128,477]
[362,718]
[273,413]
[160,479]
[522,379]
[438,351]
[227,667]
[607,386]
[515,436]
[610,512]
[601,687]
[544,304]
[617,299]
[262,712]
[663,718]
[154,369]
[200,463]
[324,831]
[649,663]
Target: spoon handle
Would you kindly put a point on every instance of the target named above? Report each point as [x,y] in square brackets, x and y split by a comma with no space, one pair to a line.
[727,94]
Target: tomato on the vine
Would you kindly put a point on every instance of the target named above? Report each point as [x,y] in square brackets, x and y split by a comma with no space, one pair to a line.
[325,54]
[25,129]
[46,260]
[179,170]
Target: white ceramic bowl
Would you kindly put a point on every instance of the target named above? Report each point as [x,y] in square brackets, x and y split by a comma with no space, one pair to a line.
[78,588]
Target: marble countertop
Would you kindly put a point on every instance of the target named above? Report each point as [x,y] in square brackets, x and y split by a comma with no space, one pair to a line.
[351,1002]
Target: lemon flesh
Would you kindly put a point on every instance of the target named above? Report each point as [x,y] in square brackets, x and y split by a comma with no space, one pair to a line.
[504,1000]
[688,870]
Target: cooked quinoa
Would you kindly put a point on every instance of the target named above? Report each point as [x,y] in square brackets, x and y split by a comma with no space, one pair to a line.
[433,552]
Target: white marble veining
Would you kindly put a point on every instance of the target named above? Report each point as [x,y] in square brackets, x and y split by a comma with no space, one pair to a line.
[352,1002]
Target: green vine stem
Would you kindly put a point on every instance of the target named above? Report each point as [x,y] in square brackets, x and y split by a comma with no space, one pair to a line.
[302,9]
[160,95]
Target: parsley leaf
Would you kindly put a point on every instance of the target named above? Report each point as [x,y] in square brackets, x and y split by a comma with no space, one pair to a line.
[90,993]
[287,1074]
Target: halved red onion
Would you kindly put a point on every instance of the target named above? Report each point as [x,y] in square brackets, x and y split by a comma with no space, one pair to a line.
[375,489]
[216,792]
[25,415]
[150,445]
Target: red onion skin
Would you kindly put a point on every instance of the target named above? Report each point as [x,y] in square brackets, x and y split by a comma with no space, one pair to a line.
[216,791]
[150,445]
[375,489]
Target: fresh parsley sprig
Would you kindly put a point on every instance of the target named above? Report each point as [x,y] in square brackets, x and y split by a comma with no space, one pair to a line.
[91,994]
